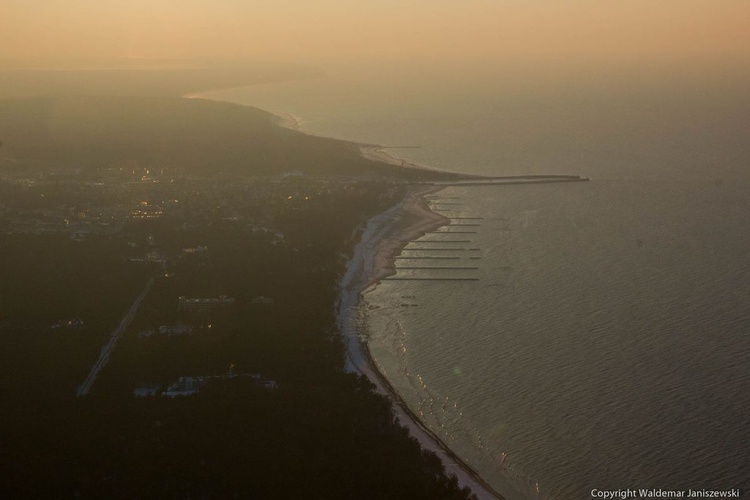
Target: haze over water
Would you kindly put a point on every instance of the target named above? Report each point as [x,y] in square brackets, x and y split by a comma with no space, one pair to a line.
[605,344]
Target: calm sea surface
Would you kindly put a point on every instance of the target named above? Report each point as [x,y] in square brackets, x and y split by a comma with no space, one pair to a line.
[606,343]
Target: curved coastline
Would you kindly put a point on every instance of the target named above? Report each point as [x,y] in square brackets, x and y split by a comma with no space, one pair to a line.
[384,236]
[373,259]
[370,151]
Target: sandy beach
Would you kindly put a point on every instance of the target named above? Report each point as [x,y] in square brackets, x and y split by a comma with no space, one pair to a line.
[383,238]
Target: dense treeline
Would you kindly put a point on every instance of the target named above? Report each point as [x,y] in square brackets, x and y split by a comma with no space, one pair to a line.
[58,301]
[322,433]
[329,439]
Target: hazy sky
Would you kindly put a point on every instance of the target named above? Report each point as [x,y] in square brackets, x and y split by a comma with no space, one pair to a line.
[317,30]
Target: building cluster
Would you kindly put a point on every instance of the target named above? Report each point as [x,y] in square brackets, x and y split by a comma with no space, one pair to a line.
[175,223]
[204,304]
[108,201]
[187,386]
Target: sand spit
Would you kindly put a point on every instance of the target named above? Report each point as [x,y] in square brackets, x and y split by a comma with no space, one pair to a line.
[385,235]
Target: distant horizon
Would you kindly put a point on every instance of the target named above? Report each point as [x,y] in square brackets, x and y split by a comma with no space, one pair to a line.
[293,31]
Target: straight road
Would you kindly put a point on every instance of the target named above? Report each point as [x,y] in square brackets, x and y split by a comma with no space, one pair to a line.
[85,387]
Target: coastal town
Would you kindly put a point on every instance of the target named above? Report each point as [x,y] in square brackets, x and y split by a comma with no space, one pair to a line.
[170,226]
[78,204]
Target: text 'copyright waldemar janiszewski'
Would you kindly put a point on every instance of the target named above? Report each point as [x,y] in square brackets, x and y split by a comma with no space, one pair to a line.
[659,493]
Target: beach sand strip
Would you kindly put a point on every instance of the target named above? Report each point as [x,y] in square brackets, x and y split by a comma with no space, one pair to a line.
[382,240]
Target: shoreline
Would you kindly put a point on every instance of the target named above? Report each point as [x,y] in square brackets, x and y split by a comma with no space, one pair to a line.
[281,119]
[377,153]
[369,151]
[384,236]
[374,259]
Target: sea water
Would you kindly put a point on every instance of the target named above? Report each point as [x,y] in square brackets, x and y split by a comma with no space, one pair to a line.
[599,335]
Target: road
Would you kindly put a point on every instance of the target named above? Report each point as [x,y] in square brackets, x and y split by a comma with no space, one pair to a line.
[109,347]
